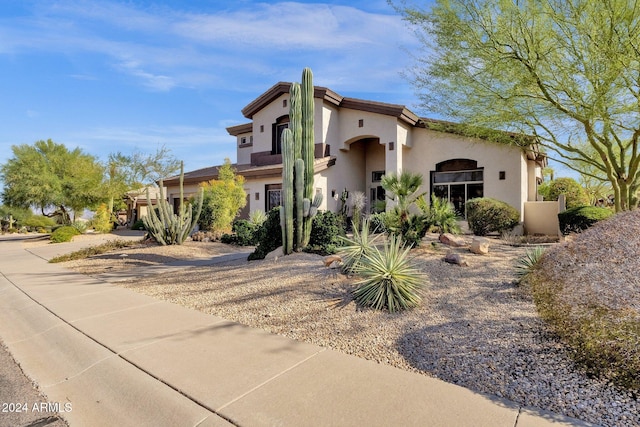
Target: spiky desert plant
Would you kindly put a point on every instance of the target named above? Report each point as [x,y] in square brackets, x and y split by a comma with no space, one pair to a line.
[355,247]
[167,227]
[526,264]
[257,217]
[389,278]
[358,202]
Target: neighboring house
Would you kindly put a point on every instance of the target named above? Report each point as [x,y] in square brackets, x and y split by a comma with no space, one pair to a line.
[136,201]
[358,141]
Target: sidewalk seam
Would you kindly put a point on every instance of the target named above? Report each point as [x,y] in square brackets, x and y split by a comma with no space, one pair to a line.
[118,355]
[232,401]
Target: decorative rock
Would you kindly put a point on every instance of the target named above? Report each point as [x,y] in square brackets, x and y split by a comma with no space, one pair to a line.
[479,246]
[451,240]
[274,254]
[455,258]
[332,259]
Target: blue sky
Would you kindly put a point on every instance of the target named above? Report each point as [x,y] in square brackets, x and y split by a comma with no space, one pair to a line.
[111,76]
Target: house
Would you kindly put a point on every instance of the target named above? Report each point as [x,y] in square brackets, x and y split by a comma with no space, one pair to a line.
[358,141]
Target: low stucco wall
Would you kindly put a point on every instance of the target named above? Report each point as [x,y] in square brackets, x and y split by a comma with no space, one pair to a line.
[541,218]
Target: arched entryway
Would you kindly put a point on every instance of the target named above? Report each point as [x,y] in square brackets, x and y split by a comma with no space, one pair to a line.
[458,180]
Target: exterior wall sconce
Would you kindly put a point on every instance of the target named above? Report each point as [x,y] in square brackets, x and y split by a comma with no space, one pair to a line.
[360,123]
[257,196]
[502,175]
[391,146]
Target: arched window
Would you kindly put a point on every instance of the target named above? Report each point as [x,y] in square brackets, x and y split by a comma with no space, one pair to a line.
[278,127]
[458,180]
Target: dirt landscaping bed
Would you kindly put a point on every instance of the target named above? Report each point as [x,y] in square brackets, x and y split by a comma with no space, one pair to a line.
[475,327]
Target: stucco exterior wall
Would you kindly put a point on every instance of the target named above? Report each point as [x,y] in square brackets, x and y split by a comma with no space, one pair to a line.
[430,148]
[244,151]
[373,125]
[542,218]
[265,118]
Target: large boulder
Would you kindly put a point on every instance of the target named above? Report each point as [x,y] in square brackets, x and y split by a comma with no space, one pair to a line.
[451,240]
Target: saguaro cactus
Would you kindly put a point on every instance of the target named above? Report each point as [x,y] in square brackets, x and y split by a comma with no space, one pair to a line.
[300,193]
[167,227]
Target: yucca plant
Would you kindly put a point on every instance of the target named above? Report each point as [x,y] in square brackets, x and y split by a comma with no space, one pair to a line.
[389,278]
[354,248]
[526,264]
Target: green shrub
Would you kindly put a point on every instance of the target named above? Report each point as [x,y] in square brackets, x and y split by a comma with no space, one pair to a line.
[389,279]
[575,195]
[244,233]
[64,234]
[138,225]
[581,217]
[440,215]
[268,235]
[326,231]
[376,223]
[222,200]
[38,221]
[486,215]
[101,221]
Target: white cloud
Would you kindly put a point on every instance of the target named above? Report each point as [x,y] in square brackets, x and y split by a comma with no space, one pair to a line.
[164,48]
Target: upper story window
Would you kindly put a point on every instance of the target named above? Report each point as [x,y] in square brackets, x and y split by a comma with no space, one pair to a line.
[246,140]
[279,126]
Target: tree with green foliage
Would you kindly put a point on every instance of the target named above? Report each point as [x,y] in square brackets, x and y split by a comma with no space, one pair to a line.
[223,199]
[134,172]
[564,71]
[575,195]
[404,190]
[50,177]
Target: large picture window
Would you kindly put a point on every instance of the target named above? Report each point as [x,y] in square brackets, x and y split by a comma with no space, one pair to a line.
[457,181]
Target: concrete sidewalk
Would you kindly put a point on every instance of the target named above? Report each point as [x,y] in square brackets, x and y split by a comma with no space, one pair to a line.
[116,357]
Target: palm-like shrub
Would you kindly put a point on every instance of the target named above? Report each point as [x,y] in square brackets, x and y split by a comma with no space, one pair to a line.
[440,214]
[356,247]
[389,278]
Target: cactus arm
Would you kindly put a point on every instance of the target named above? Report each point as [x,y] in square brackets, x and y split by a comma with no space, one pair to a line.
[308,144]
[286,211]
[299,198]
[295,118]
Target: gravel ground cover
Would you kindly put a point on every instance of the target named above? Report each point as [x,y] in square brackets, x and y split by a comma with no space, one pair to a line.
[475,327]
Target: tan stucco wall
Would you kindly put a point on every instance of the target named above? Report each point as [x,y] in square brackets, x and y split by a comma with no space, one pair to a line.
[431,147]
[374,125]
[266,117]
[541,218]
[243,156]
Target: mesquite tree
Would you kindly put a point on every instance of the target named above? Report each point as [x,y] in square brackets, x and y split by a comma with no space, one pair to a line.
[565,71]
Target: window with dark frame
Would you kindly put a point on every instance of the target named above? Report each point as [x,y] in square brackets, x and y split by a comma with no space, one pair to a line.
[376,176]
[278,128]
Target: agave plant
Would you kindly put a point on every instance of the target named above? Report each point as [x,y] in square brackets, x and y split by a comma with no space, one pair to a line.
[389,278]
[527,263]
[355,247]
